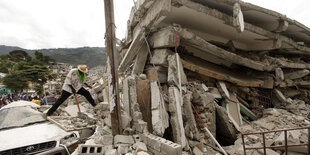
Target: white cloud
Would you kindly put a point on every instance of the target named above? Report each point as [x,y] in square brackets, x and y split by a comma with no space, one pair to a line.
[37,24]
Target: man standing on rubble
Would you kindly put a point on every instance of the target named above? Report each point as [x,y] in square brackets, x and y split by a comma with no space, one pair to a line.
[74,82]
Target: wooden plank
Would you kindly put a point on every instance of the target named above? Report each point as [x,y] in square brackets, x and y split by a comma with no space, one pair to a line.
[152,74]
[144,100]
[58,124]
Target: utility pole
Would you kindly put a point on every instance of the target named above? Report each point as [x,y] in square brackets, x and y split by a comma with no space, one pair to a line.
[110,40]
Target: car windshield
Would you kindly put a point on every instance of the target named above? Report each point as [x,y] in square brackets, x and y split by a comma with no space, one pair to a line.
[19,116]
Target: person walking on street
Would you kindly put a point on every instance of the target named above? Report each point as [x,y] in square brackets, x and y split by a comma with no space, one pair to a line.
[74,82]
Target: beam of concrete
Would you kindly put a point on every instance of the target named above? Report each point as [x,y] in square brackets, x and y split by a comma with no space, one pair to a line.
[288,64]
[140,60]
[155,14]
[134,49]
[176,119]
[192,40]
[228,20]
[210,70]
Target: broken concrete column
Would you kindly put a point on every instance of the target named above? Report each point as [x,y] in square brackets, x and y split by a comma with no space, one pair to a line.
[140,60]
[280,96]
[130,102]
[208,114]
[125,97]
[296,74]
[238,20]
[191,129]
[175,108]
[160,57]
[173,74]
[164,38]
[279,74]
[160,118]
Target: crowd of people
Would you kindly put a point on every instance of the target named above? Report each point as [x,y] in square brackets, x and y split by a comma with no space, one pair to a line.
[8,98]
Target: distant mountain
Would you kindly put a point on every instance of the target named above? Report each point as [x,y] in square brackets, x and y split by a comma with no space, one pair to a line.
[6,49]
[91,56]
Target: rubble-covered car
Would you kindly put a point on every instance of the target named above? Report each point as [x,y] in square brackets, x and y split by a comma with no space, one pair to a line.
[23,130]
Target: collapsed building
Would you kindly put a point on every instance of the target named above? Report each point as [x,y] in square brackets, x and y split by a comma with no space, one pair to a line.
[193,67]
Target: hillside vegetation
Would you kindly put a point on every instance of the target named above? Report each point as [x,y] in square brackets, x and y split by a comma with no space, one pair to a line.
[91,56]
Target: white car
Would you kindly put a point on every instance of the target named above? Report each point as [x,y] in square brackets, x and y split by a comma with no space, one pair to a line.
[23,130]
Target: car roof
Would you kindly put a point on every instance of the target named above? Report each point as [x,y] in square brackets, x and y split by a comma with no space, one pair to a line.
[20,103]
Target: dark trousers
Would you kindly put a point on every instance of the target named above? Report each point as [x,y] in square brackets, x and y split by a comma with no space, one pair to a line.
[65,95]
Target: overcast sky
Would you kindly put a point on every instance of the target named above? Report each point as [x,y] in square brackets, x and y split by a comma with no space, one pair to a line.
[35,24]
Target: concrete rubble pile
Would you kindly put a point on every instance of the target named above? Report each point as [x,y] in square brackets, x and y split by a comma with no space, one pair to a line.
[187,65]
[230,62]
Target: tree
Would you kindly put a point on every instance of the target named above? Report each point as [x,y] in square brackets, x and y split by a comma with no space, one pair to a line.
[43,58]
[15,81]
[24,69]
[19,55]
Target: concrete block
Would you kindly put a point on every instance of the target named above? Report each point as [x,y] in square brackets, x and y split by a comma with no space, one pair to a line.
[125,119]
[111,152]
[100,97]
[279,74]
[197,151]
[90,149]
[122,139]
[122,148]
[296,74]
[140,126]
[142,153]
[160,57]
[98,88]
[139,146]
[107,139]
[142,77]
[137,138]
[154,142]
[168,148]
[107,121]
[108,147]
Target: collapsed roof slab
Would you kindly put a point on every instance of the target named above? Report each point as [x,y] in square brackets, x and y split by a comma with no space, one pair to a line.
[189,39]
[292,84]
[267,19]
[214,71]
[288,64]
[214,25]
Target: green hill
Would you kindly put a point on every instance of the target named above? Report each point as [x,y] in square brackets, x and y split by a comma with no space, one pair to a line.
[91,56]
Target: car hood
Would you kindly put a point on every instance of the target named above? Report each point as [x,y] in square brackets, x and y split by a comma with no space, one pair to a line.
[28,135]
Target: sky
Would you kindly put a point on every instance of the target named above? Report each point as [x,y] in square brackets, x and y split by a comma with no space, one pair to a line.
[36,24]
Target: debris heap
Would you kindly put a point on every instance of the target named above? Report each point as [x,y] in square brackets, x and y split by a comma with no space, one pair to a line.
[190,67]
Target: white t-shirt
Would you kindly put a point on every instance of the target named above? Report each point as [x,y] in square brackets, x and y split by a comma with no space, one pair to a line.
[74,80]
